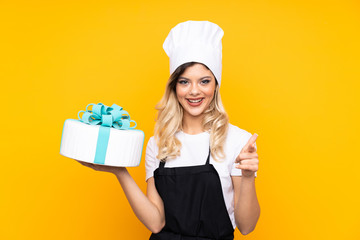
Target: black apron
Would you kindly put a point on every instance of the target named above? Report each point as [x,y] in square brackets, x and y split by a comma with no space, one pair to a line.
[193,202]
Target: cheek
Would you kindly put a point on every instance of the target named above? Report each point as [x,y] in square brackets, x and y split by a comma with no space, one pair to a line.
[210,93]
[180,93]
[179,98]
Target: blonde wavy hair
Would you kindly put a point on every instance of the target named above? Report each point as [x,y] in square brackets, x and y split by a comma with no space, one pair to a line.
[170,116]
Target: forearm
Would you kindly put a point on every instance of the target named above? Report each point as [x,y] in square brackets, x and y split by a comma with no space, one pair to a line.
[247,209]
[143,208]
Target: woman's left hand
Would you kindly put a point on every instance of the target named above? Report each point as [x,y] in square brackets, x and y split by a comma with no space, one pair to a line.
[248,158]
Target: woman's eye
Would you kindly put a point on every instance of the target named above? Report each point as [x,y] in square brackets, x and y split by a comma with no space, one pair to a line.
[205,81]
[183,82]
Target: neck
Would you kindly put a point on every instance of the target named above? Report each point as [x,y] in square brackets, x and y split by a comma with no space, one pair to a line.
[192,125]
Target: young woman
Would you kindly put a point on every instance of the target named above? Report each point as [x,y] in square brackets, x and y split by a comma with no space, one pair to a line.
[200,169]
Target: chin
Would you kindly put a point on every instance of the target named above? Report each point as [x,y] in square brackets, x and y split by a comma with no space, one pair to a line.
[195,114]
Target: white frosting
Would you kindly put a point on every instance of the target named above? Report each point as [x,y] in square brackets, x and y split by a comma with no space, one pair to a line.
[79,141]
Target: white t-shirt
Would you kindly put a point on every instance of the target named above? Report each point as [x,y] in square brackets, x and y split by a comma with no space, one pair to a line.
[194,151]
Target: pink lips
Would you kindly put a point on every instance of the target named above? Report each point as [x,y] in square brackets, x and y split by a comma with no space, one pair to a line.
[194,104]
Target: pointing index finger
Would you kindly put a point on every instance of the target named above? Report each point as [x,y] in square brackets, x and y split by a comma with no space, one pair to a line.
[250,142]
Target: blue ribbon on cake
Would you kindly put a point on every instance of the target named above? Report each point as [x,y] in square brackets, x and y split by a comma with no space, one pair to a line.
[106,117]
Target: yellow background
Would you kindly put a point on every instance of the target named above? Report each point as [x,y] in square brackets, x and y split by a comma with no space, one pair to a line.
[290,73]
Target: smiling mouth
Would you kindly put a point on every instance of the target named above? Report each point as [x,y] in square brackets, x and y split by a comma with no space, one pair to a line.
[195,101]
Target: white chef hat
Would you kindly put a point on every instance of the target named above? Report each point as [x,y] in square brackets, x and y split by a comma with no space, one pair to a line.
[195,41]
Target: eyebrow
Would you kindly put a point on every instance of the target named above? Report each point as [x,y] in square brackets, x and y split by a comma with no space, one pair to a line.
[189,79]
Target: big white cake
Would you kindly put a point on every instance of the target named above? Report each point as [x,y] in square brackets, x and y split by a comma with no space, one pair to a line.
[81,141]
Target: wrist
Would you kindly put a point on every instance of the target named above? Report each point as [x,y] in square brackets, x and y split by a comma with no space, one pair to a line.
[248,177]
[120,171]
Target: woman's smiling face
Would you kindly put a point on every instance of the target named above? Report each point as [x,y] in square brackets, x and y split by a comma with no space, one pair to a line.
[195,90]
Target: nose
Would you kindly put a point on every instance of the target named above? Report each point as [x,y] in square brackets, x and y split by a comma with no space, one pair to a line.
[194,89]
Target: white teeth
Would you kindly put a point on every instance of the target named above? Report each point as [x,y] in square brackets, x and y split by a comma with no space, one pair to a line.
[195,101]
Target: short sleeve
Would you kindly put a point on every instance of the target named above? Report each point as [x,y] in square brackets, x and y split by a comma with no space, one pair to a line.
[150,158]
[235,171]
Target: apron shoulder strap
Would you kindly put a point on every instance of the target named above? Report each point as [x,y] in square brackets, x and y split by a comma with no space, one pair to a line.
[162,164]
[208,158]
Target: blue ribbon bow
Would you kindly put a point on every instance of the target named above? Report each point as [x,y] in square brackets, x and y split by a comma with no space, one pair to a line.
[106,117]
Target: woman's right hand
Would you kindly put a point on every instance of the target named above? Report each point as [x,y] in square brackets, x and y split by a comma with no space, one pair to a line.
[103,168]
